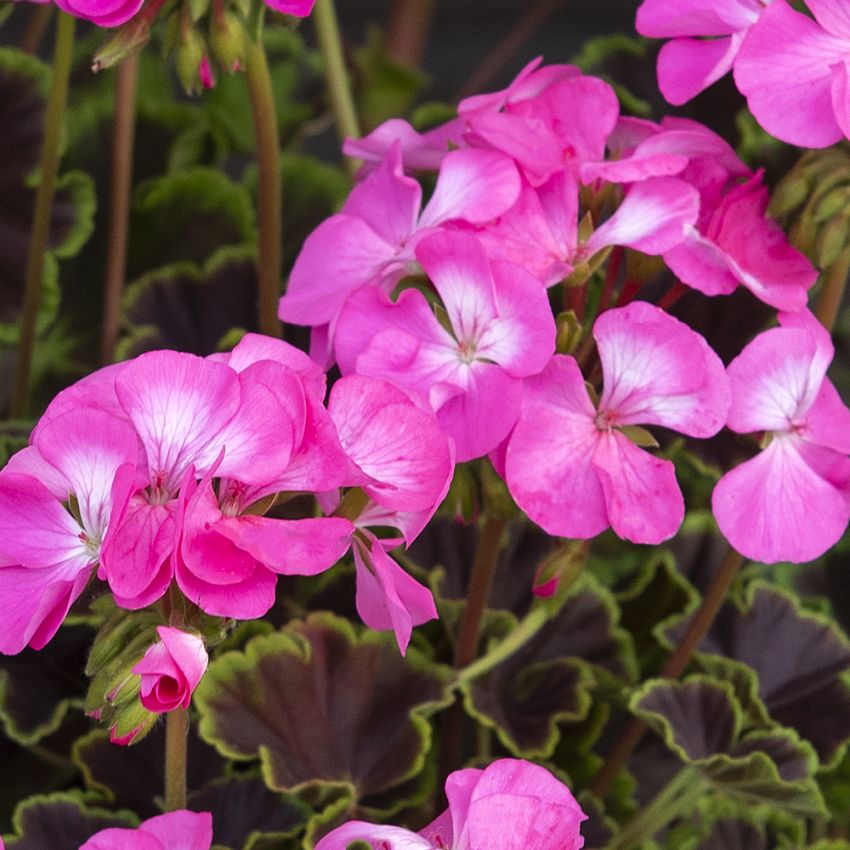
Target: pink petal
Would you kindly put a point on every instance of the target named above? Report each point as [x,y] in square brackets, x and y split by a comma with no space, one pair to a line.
[658,371]
[178,404]
[655,216]
[123,839]
[182,830]
[764,507]
[289,547]
[387,597]
[547,463]
[171,670]
[473,185]
[687,66]
[399,446]
[828,420]
[840,91]
[342,254]
[298,8]
[674,18]
[111,13]
[380,837]
[420,151]
[642,498]
[832,15]
[783,71]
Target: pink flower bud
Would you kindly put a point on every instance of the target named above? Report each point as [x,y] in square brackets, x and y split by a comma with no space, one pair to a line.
[171,670]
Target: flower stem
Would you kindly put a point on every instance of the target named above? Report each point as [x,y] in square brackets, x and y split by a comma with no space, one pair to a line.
[407,31]
[832,290]
[36,28]
[480,581]
[330,45]
[176,740]
[54,118]
[673,800]
[697,629]
[269,192]
[127,75]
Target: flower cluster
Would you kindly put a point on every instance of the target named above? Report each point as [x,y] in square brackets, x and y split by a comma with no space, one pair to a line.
[162,471]
[536,185]
[792,69]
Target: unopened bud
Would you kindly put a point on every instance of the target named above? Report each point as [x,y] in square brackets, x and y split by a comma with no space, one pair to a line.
[569,332]
[790,194]
[188,57]
[128,39]
[227,39]
[832,238]
[559,570]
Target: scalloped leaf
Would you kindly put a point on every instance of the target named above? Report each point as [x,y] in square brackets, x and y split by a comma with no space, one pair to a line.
[131,777]
[800,675]
[701,721]
[37,689]
[60,822]
[246,814]
[327,711]
[187,216]
[548,681]
[193,309]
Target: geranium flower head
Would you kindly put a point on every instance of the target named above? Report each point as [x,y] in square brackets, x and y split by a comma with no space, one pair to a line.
[180,830]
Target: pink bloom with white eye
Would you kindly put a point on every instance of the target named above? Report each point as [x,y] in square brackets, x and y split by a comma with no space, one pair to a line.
[180,830]
[735,243]
[793,71]
[512,804]
[372,240]
[686,65]
[568,465]
[791,502]
[502,330]
[171,670]
[192,413]
[48,551]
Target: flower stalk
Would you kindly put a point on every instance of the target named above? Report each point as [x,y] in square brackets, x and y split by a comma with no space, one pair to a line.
[176,745]
[49,170]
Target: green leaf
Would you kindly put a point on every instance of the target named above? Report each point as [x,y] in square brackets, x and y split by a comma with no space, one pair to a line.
[702,723]
[800,678]
[37,689]
[328,712]
[60,822]
[193,309]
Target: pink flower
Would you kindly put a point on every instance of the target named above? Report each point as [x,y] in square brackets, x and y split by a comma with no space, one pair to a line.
[791,502]
[181,830]
[573,470]
[104,13]
[687,66]
[298,8]
[171,670]
[512,805]
[55,508]
[502,330]
[793,71]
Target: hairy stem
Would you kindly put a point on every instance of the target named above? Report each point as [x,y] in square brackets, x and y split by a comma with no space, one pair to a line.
[336,75]
[54,119]
[407,31]
[697,629]
[176,740]
[832,290]
[123,137]
[269,192]
[480,581]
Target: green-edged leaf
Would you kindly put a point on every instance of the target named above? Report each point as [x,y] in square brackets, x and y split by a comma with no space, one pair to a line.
[701,722]
[186,308]
[188,216]
[245,812]
[60,822]
[799,658]
[548,680]
[131,777]
[326,711]
[835,784]
[38,688]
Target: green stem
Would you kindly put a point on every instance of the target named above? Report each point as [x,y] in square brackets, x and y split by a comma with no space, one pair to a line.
[527,628]
[697,629]
[483,569]
[176,740]
[269,192]
[54,119]
[832,290]
[330,45]
[127,75]
[674,799]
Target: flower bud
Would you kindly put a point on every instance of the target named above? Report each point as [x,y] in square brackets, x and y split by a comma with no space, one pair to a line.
[227,39]
[188,57]
[129,39]
[171,670]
